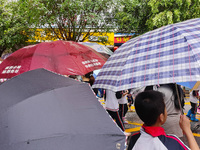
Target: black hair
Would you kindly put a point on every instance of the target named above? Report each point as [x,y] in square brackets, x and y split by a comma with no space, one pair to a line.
[91,78]
[194,93]
[73,76]
[149,105]
[180,94]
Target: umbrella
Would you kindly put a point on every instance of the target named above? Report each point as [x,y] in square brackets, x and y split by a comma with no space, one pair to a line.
[196,86]
[95,73]
[41,110]
[169,54]
[189,85]
[193,85]
[99,48]
[63,57]
[4,56]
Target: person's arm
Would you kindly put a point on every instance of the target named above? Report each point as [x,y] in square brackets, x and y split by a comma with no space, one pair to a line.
[185,126]
[125,93]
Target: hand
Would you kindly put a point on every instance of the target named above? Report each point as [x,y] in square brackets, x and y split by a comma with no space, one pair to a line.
[185,126]
[125,93]
[184,123]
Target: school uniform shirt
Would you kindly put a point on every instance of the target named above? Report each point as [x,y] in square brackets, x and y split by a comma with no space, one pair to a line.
[154,138]
[111,101]
[123,100]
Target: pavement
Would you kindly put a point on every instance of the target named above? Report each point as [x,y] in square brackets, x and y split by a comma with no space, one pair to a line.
[134,122]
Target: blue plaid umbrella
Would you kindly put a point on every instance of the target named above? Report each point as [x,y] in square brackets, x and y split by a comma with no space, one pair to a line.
[169,54]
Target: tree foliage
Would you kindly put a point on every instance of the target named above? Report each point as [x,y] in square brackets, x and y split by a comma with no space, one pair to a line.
[140,16]
[132,16]
[68,19]
[12,27]
[173,11]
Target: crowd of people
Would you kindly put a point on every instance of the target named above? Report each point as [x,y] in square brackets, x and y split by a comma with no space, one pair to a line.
[151,108]
[160,107]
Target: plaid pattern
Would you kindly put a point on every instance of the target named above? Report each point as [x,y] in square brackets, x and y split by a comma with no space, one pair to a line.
[166,55]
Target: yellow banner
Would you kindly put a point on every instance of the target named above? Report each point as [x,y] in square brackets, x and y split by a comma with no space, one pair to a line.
[103,38]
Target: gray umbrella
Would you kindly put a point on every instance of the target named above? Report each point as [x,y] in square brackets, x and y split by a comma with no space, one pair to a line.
[40,110]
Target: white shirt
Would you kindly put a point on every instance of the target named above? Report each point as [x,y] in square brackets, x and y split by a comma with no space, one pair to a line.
[193,99]
[151,143]
[123,100]
[111,101]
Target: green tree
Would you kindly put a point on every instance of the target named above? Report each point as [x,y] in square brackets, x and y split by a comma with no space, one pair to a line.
[132,16]
[12,27]
[173,11]
[68,19]
[140,16]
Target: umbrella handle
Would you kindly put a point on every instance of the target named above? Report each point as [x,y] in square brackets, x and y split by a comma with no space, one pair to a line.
[179,101]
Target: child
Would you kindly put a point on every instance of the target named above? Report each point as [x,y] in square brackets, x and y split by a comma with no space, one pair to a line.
[130,100]
[151,109]
[112,106]
[123,107]
[194,99]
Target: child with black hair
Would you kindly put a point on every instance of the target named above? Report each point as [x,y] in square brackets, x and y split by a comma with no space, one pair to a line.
[171,126]
[130,99]
[150,107]
[89,78]
[194,99]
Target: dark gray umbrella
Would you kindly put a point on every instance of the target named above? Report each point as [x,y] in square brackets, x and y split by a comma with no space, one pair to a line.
[40,110]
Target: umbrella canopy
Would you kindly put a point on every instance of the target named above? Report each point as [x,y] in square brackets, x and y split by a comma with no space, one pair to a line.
[189,85]
[63,57]
[43,110]
[166,55]
[4,56]
[196,86]
[99,48]
[95,73]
